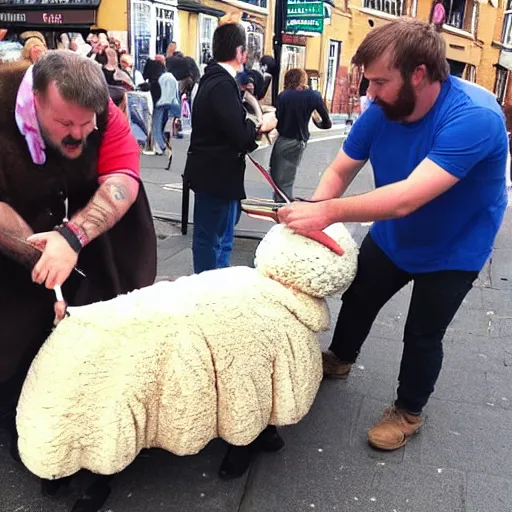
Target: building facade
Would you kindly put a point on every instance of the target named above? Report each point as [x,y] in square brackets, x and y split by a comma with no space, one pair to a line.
[478,37]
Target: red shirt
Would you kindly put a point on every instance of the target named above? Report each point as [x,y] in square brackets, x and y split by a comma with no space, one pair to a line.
[119,152]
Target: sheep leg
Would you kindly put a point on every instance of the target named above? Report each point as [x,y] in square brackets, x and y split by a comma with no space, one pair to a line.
[51,488]
[8,423]
[237,460]
[95,496]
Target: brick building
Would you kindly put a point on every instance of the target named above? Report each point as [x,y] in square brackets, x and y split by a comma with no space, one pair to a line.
[478,36]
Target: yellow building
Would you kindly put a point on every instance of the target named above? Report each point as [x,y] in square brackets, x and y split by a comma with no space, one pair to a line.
[153,24]
[473,33]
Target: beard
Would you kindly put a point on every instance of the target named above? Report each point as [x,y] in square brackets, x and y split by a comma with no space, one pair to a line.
[402,107]
[67,142]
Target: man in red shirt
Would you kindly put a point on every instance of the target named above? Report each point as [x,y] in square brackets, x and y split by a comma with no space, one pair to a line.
[70,186]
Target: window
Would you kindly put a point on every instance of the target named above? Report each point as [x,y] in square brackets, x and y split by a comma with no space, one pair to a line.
[257,3]
[506,36]
[470,73]
[501,84]
[332,67]
[255,40]
[393,7]
[461,14]
[141,13]
[207,26]
[164,29]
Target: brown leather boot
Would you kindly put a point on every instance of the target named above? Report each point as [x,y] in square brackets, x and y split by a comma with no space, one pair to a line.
[334,367]
[394,429]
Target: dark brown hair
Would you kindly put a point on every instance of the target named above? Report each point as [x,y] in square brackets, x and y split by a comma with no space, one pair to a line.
[411,43]
[295,78]
[79,80]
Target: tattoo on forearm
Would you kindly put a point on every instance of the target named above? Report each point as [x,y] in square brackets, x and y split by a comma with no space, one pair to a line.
[106,208]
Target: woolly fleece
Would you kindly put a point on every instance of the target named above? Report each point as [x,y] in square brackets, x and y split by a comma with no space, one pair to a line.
[174,365]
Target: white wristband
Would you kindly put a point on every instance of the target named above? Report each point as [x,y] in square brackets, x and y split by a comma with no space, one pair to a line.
[58,293]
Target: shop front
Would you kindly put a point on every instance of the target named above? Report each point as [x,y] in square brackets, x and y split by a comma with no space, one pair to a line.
[293,55]
[50,17]
[153,25]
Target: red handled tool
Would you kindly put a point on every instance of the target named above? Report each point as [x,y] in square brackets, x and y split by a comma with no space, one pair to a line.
[268,211]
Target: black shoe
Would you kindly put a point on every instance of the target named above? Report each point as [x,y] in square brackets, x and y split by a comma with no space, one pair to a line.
[270,441]
[8,423]
[51,488]
[93,499]
[236,462]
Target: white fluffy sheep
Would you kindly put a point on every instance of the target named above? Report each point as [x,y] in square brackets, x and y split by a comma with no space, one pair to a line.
[220,354]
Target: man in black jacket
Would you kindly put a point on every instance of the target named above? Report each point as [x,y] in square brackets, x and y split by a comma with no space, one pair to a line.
[221,137]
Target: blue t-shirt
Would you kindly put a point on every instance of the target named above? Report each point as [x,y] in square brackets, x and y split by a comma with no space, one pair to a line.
[465,134]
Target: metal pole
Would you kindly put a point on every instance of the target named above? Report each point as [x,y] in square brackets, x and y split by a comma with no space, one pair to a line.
[279,26]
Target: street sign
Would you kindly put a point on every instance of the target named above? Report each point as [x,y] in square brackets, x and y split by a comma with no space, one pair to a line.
[304,16]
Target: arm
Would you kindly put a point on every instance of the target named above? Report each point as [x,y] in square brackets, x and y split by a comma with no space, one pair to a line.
[325,119]
[117,192]
[455,152]
[118,177]
[231,117]
[13,231]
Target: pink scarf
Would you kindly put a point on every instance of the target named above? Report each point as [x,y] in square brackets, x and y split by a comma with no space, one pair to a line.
[26,119]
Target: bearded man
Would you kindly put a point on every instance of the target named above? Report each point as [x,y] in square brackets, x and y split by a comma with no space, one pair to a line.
[438,148]
[70,185]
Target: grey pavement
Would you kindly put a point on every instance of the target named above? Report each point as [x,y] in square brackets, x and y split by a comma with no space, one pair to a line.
[459,462]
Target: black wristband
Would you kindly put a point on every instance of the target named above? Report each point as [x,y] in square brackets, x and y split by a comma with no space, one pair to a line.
[70,237]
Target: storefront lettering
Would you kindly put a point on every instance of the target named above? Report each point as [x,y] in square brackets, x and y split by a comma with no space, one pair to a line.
[13,17]
[53,19]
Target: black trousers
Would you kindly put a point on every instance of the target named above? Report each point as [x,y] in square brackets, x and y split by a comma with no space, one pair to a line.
[436,297]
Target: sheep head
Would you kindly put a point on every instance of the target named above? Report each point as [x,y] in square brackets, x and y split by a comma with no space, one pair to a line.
[306,265]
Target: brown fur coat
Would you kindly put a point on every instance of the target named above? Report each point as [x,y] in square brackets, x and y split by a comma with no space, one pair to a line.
[117,262]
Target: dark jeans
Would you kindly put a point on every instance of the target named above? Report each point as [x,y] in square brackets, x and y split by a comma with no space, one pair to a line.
[215,219]
[436,297]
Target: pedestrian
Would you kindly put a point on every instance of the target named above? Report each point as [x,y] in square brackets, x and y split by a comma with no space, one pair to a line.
[363,98]
[167,107]
[69,185]
[295,106]
[34,46]
[126,63]
[438,148]
[221,137]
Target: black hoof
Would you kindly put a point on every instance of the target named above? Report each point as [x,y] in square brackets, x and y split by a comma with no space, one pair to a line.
[270,441]
[94,498]
[51,488]
[236,462]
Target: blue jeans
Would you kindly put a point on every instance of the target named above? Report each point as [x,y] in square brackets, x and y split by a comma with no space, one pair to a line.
[214,226]
[161,115]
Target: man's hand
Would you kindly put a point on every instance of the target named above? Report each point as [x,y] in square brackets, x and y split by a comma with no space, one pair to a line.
[268,123]
[305,217]
[56,262]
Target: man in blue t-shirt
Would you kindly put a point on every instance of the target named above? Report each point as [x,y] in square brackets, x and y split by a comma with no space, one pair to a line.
[438,148]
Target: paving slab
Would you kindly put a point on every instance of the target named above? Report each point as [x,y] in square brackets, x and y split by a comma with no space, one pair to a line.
[487,493]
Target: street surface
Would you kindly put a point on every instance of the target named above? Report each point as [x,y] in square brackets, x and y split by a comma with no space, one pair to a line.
[459,462]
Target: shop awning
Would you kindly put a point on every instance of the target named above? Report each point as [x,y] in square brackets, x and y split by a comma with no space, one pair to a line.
[196,6]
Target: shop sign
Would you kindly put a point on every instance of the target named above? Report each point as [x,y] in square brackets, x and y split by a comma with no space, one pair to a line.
[304,16]
[41,18]
[50,3]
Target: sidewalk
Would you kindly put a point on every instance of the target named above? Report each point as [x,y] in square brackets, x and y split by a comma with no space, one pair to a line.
[459,462]
[164,187]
